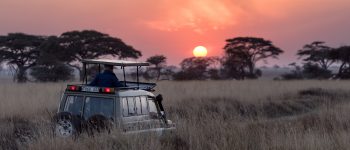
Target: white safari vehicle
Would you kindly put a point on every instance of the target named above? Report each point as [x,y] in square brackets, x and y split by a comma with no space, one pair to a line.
[133,108]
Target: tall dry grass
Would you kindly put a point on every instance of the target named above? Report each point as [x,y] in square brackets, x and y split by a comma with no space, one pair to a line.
[208,114]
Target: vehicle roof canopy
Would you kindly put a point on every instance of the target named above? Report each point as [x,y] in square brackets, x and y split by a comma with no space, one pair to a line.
[122,63]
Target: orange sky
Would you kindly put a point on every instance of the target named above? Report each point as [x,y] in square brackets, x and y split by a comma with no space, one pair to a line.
[175,27]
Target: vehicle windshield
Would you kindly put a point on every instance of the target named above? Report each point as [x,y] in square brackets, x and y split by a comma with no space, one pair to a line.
[98,106]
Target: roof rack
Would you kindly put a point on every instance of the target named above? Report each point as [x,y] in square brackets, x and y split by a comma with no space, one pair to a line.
[122,63]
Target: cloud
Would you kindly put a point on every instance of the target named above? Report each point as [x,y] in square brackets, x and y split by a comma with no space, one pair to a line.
[197,15]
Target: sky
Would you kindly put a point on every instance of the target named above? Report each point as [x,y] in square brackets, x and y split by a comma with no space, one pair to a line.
[174,27]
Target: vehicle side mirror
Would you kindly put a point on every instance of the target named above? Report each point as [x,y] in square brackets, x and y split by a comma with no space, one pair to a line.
[159,98]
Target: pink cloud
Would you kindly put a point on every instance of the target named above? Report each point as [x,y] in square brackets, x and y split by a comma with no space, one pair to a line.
[198,15]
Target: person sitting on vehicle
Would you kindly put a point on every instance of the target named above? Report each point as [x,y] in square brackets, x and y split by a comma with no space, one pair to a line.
[107,78]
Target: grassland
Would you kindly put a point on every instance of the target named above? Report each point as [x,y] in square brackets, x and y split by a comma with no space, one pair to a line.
[208,114]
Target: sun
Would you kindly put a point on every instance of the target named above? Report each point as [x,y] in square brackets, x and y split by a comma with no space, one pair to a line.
[200,51]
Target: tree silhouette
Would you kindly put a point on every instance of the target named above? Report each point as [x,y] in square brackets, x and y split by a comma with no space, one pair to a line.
[234,67]
[159,63]
[89,44]
[50,65]
[194,68]
[317,52]
[52,51]
[342,55]
[21,51]
[242,53]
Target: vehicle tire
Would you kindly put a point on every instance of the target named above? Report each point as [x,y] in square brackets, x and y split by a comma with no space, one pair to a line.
[66,125]
[99,123]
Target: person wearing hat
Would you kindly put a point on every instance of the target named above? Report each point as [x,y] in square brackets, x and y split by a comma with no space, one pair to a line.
[107,78]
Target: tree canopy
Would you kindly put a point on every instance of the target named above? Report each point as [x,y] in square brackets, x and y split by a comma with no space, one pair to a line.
[21,51]
[242,53]
[194,68]
[50,65]
[24,51]
[317,52]
[89,44]
[159,62]
[342,56]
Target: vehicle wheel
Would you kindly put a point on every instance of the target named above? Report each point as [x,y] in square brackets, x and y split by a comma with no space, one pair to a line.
[65,125]
[64,128]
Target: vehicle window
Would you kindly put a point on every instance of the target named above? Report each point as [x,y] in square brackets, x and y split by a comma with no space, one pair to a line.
[98,106]
[138,105]
[144,109]
[125,107]
[152,106]
[131,105]
[74,104]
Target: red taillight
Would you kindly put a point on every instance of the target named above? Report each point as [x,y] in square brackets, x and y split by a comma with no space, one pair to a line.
[73,88]
[108,90]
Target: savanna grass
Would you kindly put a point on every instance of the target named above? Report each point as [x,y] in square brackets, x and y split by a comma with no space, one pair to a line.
[209,115]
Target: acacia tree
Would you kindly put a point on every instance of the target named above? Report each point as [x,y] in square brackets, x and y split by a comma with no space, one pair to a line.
[233,67]
[89,44]
[21,51]
[246,51]
[50,65]
[317,52]
[194,68]
[159,62]
[342,55]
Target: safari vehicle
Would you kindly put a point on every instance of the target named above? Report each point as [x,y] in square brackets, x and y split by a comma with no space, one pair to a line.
[133,108]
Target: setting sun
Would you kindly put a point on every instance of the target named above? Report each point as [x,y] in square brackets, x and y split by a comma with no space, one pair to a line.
[200,51]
